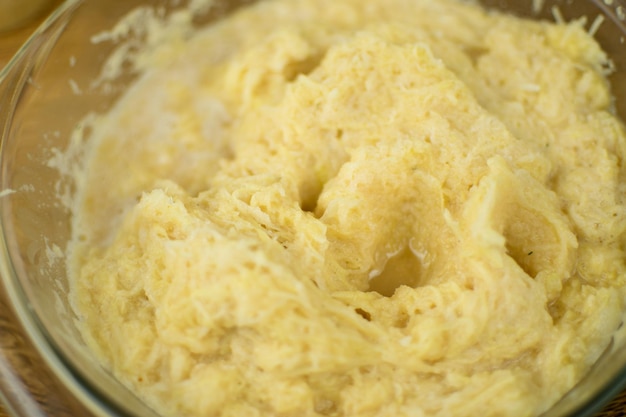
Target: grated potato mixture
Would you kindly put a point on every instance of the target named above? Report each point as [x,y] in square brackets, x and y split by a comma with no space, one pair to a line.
[356,208]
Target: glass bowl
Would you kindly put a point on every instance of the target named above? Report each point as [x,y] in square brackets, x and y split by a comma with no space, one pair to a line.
[44,94]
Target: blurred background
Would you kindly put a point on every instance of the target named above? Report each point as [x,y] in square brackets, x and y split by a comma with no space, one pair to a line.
[18,19]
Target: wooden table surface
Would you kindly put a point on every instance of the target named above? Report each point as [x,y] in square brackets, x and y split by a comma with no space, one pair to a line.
[11,41]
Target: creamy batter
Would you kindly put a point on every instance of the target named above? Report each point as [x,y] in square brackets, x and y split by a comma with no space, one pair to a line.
[356,208]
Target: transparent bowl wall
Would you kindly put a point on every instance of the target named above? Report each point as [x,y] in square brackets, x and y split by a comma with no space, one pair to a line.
[39,110]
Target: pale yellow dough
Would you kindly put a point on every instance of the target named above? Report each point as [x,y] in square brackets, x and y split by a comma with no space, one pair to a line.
[356,208]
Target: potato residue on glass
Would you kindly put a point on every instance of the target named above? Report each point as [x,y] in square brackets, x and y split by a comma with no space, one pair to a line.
[356,208]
